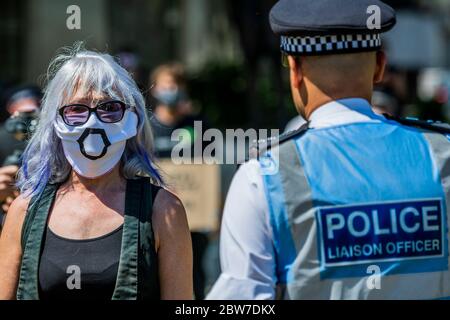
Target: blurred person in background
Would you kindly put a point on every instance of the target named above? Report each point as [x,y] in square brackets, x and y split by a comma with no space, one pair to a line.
[21,104]
[20,99]
[172,109]
[433,95]
[384,102]
[395,84]
[93,221]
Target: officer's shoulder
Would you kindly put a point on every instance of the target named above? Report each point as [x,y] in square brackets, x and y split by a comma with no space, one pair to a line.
[265,145]
[287,136]
[426,125]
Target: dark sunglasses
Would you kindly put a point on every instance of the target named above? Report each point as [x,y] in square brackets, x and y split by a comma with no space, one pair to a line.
[78,114]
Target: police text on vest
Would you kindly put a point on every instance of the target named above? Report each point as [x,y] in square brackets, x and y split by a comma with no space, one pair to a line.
[383,231]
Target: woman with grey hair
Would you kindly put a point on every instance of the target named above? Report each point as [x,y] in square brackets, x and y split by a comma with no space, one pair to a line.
[93,220]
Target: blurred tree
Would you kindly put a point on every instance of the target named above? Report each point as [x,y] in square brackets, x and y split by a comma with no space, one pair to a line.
[12,30]
[259,46]
[145,27]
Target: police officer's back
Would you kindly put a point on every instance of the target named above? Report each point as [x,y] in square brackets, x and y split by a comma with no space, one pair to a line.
[353,205]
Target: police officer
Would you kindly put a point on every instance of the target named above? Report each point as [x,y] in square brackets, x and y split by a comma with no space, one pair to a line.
[353,205]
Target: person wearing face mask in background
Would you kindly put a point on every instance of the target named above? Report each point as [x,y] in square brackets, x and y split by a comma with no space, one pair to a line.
[172,110]
[94,220]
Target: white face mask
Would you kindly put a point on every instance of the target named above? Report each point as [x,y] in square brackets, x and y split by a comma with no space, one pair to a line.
[95,147]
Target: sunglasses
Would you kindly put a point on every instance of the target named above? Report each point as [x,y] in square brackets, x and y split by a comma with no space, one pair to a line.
[78,114]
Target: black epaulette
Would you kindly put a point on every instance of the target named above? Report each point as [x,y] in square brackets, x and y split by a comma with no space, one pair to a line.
[436,126]
[263,145]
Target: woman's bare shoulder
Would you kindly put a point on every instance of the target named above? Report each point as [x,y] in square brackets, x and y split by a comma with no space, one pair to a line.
[168,207]
[16,214]
[21,202]
[18,208]
[169,216]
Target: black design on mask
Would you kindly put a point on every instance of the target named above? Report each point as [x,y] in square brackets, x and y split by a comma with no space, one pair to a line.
[85,134]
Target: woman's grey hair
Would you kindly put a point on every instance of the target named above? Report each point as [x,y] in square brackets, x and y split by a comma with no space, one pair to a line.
[82,72]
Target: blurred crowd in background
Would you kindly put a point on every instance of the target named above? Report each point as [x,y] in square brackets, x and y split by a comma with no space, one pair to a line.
[211,60]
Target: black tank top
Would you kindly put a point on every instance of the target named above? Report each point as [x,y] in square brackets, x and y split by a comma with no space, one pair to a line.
[72,269]
[79,269]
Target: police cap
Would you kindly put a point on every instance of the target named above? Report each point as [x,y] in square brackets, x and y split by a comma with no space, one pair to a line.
[316,27]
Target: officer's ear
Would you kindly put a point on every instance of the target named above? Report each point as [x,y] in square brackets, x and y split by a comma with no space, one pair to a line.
[380,67]
[295,71]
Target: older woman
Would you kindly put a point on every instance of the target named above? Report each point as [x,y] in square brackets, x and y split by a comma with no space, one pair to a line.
[93,220]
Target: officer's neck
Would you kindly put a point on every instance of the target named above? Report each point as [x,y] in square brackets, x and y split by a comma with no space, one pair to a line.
[319,99]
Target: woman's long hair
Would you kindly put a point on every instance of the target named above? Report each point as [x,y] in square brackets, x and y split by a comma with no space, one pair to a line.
[78,71]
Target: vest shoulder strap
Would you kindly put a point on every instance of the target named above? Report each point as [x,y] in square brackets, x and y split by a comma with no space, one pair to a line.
[148,261]
[266,145]
[137,274]
[436,126]
[33,229]
[259,147]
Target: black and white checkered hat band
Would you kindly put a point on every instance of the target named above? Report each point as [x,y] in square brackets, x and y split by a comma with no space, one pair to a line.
[330,44]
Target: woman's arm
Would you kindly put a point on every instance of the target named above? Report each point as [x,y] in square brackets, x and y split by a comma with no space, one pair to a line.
[174,247]
[11,249]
